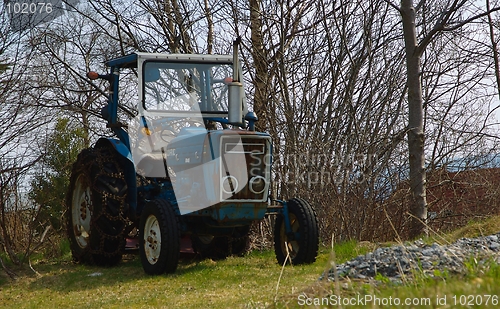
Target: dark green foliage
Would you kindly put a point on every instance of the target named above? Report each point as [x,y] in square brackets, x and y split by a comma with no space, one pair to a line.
[3,67]
[49,186]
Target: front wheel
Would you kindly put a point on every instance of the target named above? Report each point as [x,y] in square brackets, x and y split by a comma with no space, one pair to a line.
[301,244]
[159,238]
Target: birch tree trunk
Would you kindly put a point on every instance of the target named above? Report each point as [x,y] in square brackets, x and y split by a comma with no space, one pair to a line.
[418,206]
[259,56]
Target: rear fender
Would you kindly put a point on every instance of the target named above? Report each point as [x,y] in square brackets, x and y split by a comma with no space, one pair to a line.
[128,170]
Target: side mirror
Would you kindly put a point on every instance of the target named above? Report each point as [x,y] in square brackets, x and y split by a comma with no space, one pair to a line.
[94,75]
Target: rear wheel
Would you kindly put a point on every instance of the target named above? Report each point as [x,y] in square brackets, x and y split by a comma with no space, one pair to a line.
[301,245]
[159,238]
[210,247]
[97,207]
[221,247]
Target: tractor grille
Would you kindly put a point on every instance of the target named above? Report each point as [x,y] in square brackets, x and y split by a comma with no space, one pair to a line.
[250,180]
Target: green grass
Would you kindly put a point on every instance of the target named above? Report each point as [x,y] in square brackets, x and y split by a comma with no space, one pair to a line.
[248,281]
[462,291]
[473,289]
[242,282]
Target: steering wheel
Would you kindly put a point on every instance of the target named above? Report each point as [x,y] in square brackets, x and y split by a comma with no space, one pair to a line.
[168,128]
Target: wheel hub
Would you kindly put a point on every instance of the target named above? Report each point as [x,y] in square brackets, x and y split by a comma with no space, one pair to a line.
[152,239]
[80,212]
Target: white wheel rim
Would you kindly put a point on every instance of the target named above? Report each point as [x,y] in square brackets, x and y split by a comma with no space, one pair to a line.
[152,239]
[80,211]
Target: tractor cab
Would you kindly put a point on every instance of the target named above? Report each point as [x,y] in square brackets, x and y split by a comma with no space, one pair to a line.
[206,88]
[187,86]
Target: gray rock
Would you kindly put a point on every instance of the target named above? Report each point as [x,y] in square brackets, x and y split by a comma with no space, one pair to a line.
[402,261]
[428,252]
[494,246]
[492,238]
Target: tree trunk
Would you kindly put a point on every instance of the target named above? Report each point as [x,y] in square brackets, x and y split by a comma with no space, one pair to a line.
[259,56]
[418,206]
[494,47]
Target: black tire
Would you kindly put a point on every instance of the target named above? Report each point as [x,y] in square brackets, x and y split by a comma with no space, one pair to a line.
[220,247]
[210,247]
[159,238]
[96,207]
[303,221]
[239,246]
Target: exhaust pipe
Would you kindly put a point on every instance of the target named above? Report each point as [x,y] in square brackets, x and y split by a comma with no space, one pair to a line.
[235,94]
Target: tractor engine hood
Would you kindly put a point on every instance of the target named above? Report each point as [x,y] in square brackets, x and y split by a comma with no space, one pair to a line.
[188,149]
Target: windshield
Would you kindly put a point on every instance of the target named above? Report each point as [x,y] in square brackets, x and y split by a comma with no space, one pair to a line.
[186,87]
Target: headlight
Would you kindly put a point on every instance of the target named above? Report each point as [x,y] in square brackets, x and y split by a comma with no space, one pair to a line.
[229,184]
[257,184]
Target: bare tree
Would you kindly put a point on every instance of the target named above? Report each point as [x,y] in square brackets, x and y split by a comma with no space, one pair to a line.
[327,80]
[414,49]
[494,45]
[19,118]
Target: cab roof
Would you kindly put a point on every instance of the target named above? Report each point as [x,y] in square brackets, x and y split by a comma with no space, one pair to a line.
[131,60]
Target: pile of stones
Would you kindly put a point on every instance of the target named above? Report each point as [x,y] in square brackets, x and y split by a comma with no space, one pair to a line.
[399,262]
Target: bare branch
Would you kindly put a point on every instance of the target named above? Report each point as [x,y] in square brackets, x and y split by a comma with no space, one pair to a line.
[441,25]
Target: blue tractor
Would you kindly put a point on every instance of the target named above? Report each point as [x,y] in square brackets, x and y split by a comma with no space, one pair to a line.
[189,165]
